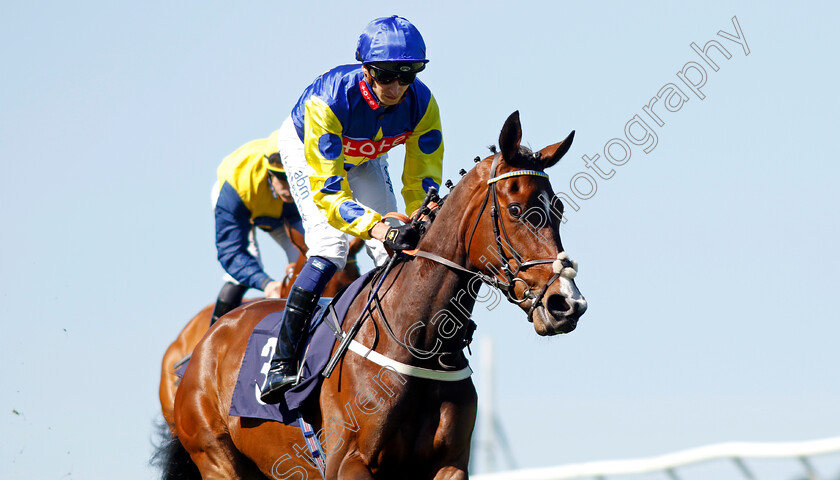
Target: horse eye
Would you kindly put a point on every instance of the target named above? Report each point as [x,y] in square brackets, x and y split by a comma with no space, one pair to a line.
[515,210]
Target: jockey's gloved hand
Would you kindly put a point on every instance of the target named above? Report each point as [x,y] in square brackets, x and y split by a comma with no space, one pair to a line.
[403,237]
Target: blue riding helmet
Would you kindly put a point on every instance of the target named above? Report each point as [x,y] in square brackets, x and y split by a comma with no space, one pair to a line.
[391,39]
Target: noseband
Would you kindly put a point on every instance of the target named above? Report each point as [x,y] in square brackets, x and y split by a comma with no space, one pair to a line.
[510,273]
[508,284]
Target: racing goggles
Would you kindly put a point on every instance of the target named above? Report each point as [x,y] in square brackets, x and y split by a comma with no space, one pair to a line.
[388,72]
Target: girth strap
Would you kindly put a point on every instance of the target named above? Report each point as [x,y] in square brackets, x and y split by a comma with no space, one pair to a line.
[411,371]
[399,367]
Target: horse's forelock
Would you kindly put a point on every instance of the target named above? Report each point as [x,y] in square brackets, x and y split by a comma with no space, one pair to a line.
[526,159]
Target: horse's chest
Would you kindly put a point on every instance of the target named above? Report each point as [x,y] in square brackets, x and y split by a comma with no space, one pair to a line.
[422,428]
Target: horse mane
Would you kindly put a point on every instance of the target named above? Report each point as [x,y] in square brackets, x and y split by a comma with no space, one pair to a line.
[527,158]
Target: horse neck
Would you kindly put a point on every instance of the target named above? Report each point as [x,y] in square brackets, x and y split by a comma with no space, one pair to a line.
[432,293]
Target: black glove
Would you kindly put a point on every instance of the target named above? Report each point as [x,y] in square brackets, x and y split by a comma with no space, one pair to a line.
[401,238]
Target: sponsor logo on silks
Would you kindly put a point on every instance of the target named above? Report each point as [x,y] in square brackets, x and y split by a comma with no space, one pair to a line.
[320,265]
[371,149]
[388,179]
[300,185]
[367,95]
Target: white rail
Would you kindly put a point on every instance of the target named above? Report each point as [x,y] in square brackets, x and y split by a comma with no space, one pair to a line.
[736,452]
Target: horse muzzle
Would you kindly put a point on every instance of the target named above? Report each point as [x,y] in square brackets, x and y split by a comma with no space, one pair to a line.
[550,320]
[559,311]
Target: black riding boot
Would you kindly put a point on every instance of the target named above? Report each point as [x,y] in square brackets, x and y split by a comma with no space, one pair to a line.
[284,368]
[230,297]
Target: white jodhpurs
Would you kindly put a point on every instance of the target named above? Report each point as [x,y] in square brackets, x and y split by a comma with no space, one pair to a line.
[371,187]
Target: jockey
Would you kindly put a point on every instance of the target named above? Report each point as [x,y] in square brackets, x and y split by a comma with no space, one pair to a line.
[334,146]
[251,191]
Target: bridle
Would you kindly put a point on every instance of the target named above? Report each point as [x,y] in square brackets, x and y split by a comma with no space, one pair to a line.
[511,274]
[506,285]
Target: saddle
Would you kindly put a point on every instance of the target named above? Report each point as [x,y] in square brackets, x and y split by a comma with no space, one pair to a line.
[316,354]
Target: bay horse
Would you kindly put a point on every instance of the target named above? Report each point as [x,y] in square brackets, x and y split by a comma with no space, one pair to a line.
[188,338]
[412,415]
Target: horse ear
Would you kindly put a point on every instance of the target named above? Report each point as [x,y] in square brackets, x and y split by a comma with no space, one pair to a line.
[511,136]
[553,153]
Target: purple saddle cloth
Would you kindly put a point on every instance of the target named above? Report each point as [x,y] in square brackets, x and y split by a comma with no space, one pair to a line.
[252,372]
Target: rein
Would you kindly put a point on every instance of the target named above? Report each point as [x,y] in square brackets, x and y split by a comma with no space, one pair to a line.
[416,352]
[506,285]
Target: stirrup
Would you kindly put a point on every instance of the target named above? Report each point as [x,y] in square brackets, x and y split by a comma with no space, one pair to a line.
[182,361]
[276,386]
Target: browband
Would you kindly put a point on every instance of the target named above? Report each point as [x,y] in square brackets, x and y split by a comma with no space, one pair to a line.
[517,173]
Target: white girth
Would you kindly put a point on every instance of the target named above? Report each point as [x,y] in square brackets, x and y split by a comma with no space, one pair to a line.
[410,370]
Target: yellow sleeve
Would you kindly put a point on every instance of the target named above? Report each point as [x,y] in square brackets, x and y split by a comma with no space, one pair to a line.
[423,158]
[322,143]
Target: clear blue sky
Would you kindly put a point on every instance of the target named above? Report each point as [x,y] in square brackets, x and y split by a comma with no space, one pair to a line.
[709,263]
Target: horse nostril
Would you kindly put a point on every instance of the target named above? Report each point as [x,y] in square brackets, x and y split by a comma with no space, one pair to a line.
[556,304]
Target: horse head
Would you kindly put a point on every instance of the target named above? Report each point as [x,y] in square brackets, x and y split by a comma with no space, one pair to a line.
[514,238]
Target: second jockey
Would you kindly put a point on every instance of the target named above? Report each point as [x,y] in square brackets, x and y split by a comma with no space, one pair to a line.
[251,192]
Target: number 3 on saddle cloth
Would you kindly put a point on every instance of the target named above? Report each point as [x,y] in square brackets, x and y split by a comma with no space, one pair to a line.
[317,351]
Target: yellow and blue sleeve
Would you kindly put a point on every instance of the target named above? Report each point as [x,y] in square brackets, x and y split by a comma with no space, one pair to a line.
[423,158]
[322,141]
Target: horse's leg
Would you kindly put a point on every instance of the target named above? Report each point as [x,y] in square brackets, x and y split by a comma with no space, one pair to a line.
[219,460]
[451,473]
[182,346]
[353,468]
[278,450]
[204,435]
[201,412]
